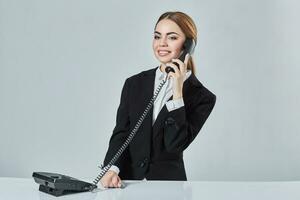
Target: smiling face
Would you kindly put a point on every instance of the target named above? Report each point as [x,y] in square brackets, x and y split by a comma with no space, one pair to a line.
[168,41]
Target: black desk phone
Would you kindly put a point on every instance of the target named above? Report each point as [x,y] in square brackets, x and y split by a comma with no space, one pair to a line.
[58,184]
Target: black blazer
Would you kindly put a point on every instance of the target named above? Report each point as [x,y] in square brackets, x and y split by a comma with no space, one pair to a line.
[156,152]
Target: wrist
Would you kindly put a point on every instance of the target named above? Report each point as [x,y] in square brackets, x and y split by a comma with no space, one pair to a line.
[177,96]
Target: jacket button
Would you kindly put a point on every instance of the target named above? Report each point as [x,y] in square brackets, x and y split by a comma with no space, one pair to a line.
[142,164]
[169,121]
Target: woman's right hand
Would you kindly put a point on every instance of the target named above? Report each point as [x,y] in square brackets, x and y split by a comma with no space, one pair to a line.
[111,179]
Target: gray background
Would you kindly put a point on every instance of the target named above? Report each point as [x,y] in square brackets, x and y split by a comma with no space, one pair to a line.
[63,64]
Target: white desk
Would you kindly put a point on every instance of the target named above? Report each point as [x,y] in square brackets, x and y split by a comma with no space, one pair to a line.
[18,188]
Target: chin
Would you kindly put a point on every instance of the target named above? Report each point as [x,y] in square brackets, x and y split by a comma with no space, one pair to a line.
[164,60]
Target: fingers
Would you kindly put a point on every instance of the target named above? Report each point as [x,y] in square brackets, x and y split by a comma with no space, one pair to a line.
[186,59]
[119,182]
[115,181]
[173,66]
[182,65]
[111,180]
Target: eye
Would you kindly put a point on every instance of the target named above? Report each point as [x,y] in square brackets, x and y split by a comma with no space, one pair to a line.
[156,37]
[173,38]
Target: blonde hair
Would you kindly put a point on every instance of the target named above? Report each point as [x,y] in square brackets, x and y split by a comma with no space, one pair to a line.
[187,26]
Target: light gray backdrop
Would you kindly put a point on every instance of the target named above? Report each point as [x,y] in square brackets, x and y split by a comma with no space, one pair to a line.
[63,64]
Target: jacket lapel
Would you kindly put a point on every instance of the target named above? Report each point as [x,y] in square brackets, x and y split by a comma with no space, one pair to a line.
[149,78]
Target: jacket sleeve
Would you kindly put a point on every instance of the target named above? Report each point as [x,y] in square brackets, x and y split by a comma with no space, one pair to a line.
[181,128]
[121,130]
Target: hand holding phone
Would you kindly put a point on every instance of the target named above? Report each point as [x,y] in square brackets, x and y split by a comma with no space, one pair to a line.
[188,48]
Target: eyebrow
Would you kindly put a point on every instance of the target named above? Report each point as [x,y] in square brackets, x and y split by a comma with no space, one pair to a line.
[169,33]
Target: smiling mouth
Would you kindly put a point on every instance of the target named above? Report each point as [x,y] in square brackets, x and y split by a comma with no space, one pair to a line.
[163,52]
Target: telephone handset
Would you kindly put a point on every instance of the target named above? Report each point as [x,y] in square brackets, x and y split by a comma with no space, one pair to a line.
[58,184]
[188,48]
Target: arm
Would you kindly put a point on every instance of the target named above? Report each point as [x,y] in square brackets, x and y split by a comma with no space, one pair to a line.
[181,128]
[121,129]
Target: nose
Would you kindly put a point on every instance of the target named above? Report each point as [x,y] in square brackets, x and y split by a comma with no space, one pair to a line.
[163,42]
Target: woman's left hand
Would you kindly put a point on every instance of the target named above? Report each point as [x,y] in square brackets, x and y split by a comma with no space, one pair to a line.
[178,75]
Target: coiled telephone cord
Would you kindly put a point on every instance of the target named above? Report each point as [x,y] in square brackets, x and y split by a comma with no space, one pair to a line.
[131,135]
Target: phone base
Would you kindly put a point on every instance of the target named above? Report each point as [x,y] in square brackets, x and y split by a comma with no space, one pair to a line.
[56,192]
[58,184]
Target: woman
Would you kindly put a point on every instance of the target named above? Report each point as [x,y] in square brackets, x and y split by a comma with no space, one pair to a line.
[178,113]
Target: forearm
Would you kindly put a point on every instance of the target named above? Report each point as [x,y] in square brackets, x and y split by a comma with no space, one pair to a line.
[182,126]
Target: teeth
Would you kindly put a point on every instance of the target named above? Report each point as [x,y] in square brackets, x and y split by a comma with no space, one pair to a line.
[163,52]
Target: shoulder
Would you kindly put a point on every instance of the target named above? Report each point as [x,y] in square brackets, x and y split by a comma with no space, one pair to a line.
[141,75]
[201,91]
[149,72]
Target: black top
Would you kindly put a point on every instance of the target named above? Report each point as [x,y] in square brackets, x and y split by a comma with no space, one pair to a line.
[155,153]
